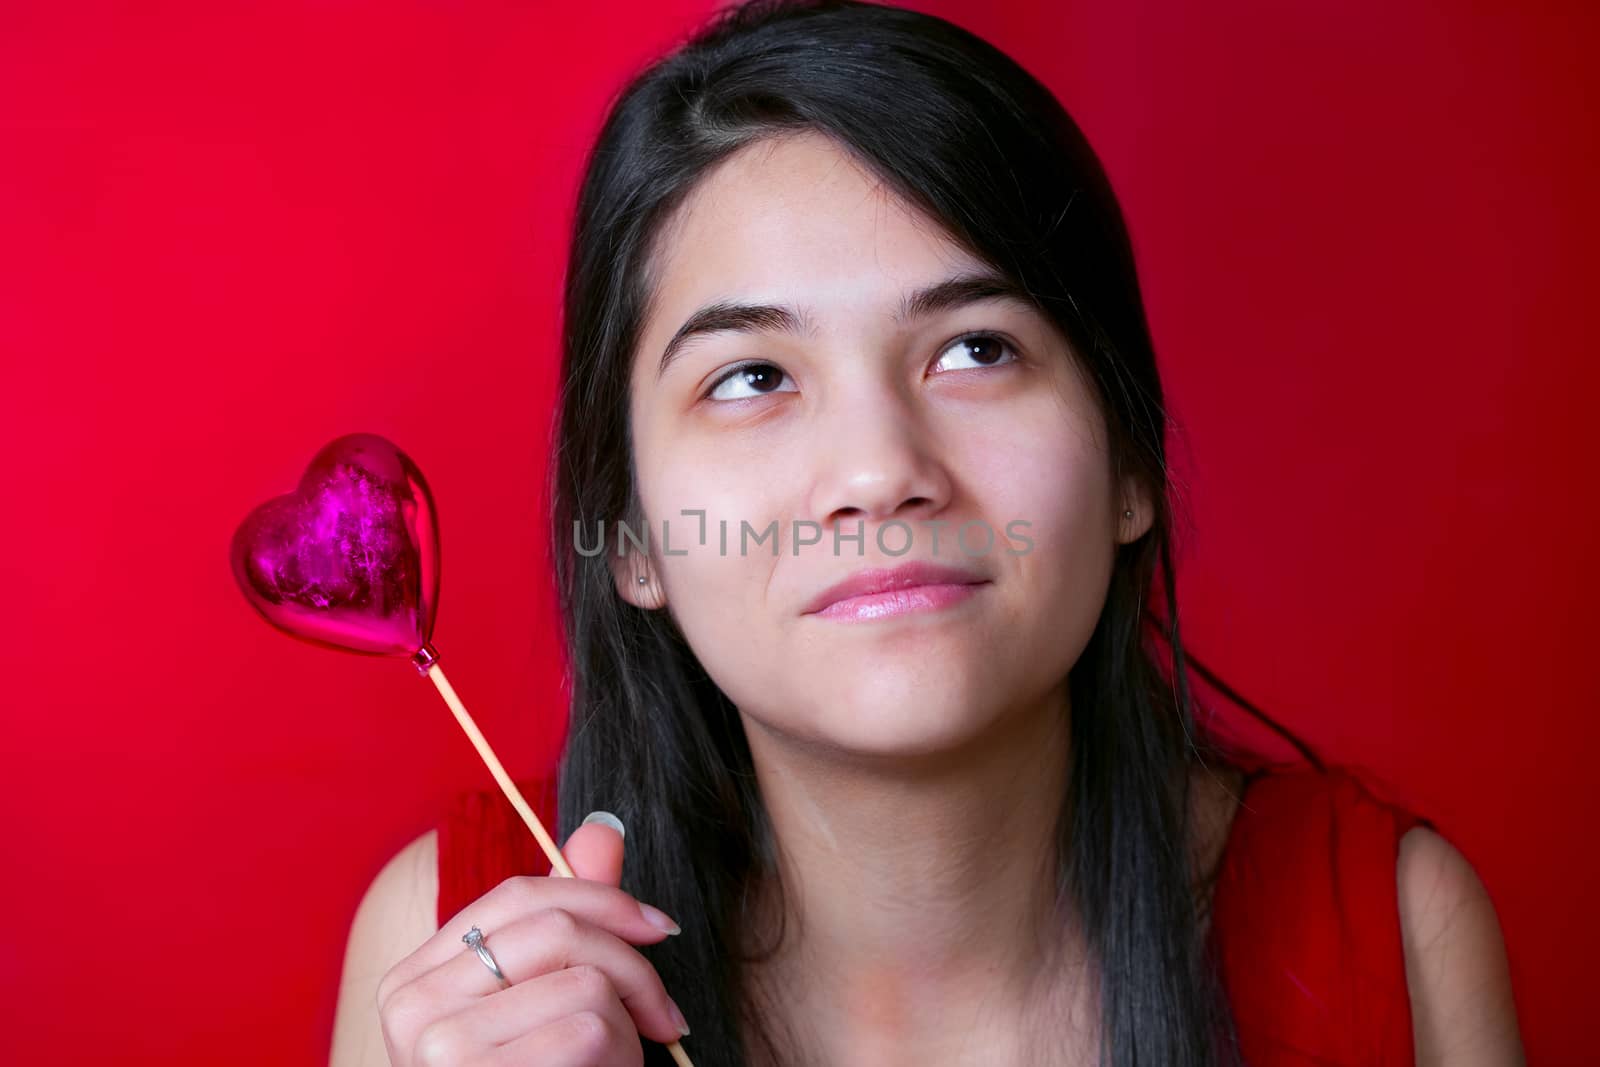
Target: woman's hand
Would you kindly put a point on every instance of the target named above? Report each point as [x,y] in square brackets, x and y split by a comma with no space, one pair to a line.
[580,993]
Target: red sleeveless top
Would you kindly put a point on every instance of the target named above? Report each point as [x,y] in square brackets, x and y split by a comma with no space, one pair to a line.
[1305,912]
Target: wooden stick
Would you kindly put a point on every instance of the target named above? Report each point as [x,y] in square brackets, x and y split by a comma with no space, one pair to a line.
[557,861]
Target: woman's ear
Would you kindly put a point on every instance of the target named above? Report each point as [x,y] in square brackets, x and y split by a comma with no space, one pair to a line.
[636,580]
[1134,498]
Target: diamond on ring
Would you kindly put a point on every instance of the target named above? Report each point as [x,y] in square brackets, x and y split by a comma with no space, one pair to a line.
[474,937]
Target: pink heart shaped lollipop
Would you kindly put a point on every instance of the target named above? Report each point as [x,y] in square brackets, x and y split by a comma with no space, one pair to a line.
[350,559]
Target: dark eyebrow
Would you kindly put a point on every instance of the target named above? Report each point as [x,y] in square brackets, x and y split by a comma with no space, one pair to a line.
[725,316]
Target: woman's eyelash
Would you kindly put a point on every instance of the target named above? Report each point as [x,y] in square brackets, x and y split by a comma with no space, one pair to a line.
[979,335]
[733,372]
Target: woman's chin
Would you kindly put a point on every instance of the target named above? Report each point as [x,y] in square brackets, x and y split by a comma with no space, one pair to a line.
[896,727]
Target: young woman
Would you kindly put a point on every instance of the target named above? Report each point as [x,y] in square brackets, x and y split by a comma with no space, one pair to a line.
[891,697]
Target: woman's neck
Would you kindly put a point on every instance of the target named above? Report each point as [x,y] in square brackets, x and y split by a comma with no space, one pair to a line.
[919,910]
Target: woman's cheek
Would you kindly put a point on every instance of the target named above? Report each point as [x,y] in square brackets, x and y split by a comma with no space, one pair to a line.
[735,639]
[717,571]
[1033,473]
[1046,485]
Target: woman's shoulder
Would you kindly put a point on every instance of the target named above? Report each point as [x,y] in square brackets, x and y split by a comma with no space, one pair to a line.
[1457,967]
[477,841]
[1349,925]
[396,913]
[394,916]
[1307,917]
[409,881]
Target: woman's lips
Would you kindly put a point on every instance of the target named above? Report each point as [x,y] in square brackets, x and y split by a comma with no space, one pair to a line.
[869,606]
[871,581]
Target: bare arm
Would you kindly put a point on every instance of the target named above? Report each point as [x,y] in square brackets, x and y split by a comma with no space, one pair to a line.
[397,914]
[1462,1009]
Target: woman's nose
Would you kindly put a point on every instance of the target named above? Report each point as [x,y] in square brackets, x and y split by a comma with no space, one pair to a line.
[876,461]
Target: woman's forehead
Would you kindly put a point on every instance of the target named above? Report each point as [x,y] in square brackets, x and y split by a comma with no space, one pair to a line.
[799,223]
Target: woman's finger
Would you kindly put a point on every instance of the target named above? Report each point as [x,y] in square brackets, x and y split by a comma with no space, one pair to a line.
[548,941]
[584,1040]
[516,898]
[505,1016]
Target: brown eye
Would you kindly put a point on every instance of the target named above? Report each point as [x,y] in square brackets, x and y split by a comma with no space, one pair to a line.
[756,378]
[982,349]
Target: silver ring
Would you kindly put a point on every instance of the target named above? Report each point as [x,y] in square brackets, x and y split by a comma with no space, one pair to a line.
[474,937]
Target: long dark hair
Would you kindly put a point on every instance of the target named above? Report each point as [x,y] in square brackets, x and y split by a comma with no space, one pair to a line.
[962,132]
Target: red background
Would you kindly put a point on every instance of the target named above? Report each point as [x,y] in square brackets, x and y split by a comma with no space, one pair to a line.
[1365,231]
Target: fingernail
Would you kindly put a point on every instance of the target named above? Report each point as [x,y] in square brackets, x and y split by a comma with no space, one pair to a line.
[608,819]
[677,1018]
[659,919]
